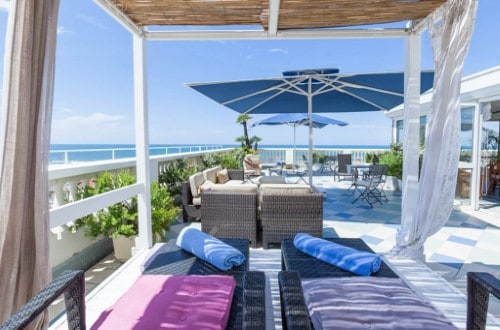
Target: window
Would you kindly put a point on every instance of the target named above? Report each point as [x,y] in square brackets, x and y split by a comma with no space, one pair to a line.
[399,131]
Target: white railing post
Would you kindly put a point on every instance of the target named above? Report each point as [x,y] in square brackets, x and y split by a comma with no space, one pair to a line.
[154,169]
[289,156]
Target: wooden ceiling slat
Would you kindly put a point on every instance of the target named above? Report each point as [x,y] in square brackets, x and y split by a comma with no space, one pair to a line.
[293,13]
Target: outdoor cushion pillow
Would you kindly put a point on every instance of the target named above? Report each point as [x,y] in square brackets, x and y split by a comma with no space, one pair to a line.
[211,173]
[355,261]
[195,181]
[209,248]
[368,303]
[206,186]
[172,301]
[222,176]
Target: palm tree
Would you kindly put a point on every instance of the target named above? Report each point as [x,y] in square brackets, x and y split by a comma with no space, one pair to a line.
[240,139]
[255,140]
[243,119]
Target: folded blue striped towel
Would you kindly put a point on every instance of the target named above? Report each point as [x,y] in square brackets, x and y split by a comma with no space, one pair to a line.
[344,257]
[209,248]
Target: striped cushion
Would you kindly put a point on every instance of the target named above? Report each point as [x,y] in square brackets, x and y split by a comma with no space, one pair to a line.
[368,303]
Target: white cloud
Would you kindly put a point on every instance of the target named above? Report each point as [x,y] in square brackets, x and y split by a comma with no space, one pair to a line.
[65,110]
[91,21]
[93,128]
[4,5]
[278,50]
[62,30]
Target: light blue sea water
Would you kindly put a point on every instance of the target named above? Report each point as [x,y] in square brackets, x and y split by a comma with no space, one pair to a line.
[59,153]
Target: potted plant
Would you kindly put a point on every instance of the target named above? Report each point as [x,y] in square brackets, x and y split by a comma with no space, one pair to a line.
[394,162]
[119,221]
[163,211]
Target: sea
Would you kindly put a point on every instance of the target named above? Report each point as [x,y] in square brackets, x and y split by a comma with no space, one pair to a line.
[69,153]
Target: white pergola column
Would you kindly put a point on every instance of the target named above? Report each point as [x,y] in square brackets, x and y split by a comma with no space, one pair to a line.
[144,240]
[411,149]
[477,124]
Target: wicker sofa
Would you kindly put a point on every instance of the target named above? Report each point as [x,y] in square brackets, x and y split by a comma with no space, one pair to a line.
[191,192]
[232,213]
[278,210]
[288,209]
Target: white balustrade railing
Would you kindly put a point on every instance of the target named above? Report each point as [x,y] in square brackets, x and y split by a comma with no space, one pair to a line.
[68,156]
[287,155]
[64,181]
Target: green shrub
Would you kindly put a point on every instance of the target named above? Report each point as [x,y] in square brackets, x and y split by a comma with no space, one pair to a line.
[230,160]
[394,160]
[318,157]
[121,218]
[175,173]
[163,211]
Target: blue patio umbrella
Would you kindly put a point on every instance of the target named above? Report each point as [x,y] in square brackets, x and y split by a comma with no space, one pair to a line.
[318,90]
[299,119]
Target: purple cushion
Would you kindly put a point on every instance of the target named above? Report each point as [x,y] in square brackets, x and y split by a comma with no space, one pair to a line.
[172,302]
[368,303]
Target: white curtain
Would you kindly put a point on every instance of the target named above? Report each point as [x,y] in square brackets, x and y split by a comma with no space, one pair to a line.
[24,142]
[450,39]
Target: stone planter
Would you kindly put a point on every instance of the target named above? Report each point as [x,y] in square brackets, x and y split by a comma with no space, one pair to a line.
[391,183]
[123,247]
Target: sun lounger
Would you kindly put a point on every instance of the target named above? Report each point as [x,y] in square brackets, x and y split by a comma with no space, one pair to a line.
[248,307]
[71,283]
[310,267]
[300,266]
[295,314]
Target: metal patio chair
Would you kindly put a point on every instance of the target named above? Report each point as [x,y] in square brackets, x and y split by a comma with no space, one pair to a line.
[341,170]
[371,188]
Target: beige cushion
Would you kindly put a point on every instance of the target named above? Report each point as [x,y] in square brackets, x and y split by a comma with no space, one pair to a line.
[195,181]
[271,179]
[233,182]
[287,188]
[222,176]
[207,185]
[240,187]
[197,200]
[211,173]
[283,189]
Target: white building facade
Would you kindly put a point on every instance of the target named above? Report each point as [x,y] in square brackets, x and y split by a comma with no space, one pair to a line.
[477,183]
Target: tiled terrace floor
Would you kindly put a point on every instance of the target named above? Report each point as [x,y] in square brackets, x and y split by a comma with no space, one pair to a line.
[470,241]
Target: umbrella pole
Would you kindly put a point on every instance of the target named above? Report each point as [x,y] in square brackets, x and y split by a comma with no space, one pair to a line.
[294,140]
[309,111]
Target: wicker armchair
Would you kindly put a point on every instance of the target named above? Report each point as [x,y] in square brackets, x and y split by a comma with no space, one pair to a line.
[189,211]
[226,214]
[192,212]
[283,214]
[72,284]
[248,307]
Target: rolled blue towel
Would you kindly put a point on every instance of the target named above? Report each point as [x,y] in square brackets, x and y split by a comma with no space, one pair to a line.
[209,248]
[352,260]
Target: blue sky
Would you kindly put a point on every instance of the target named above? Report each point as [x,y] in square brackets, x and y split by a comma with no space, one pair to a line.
[93,99]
